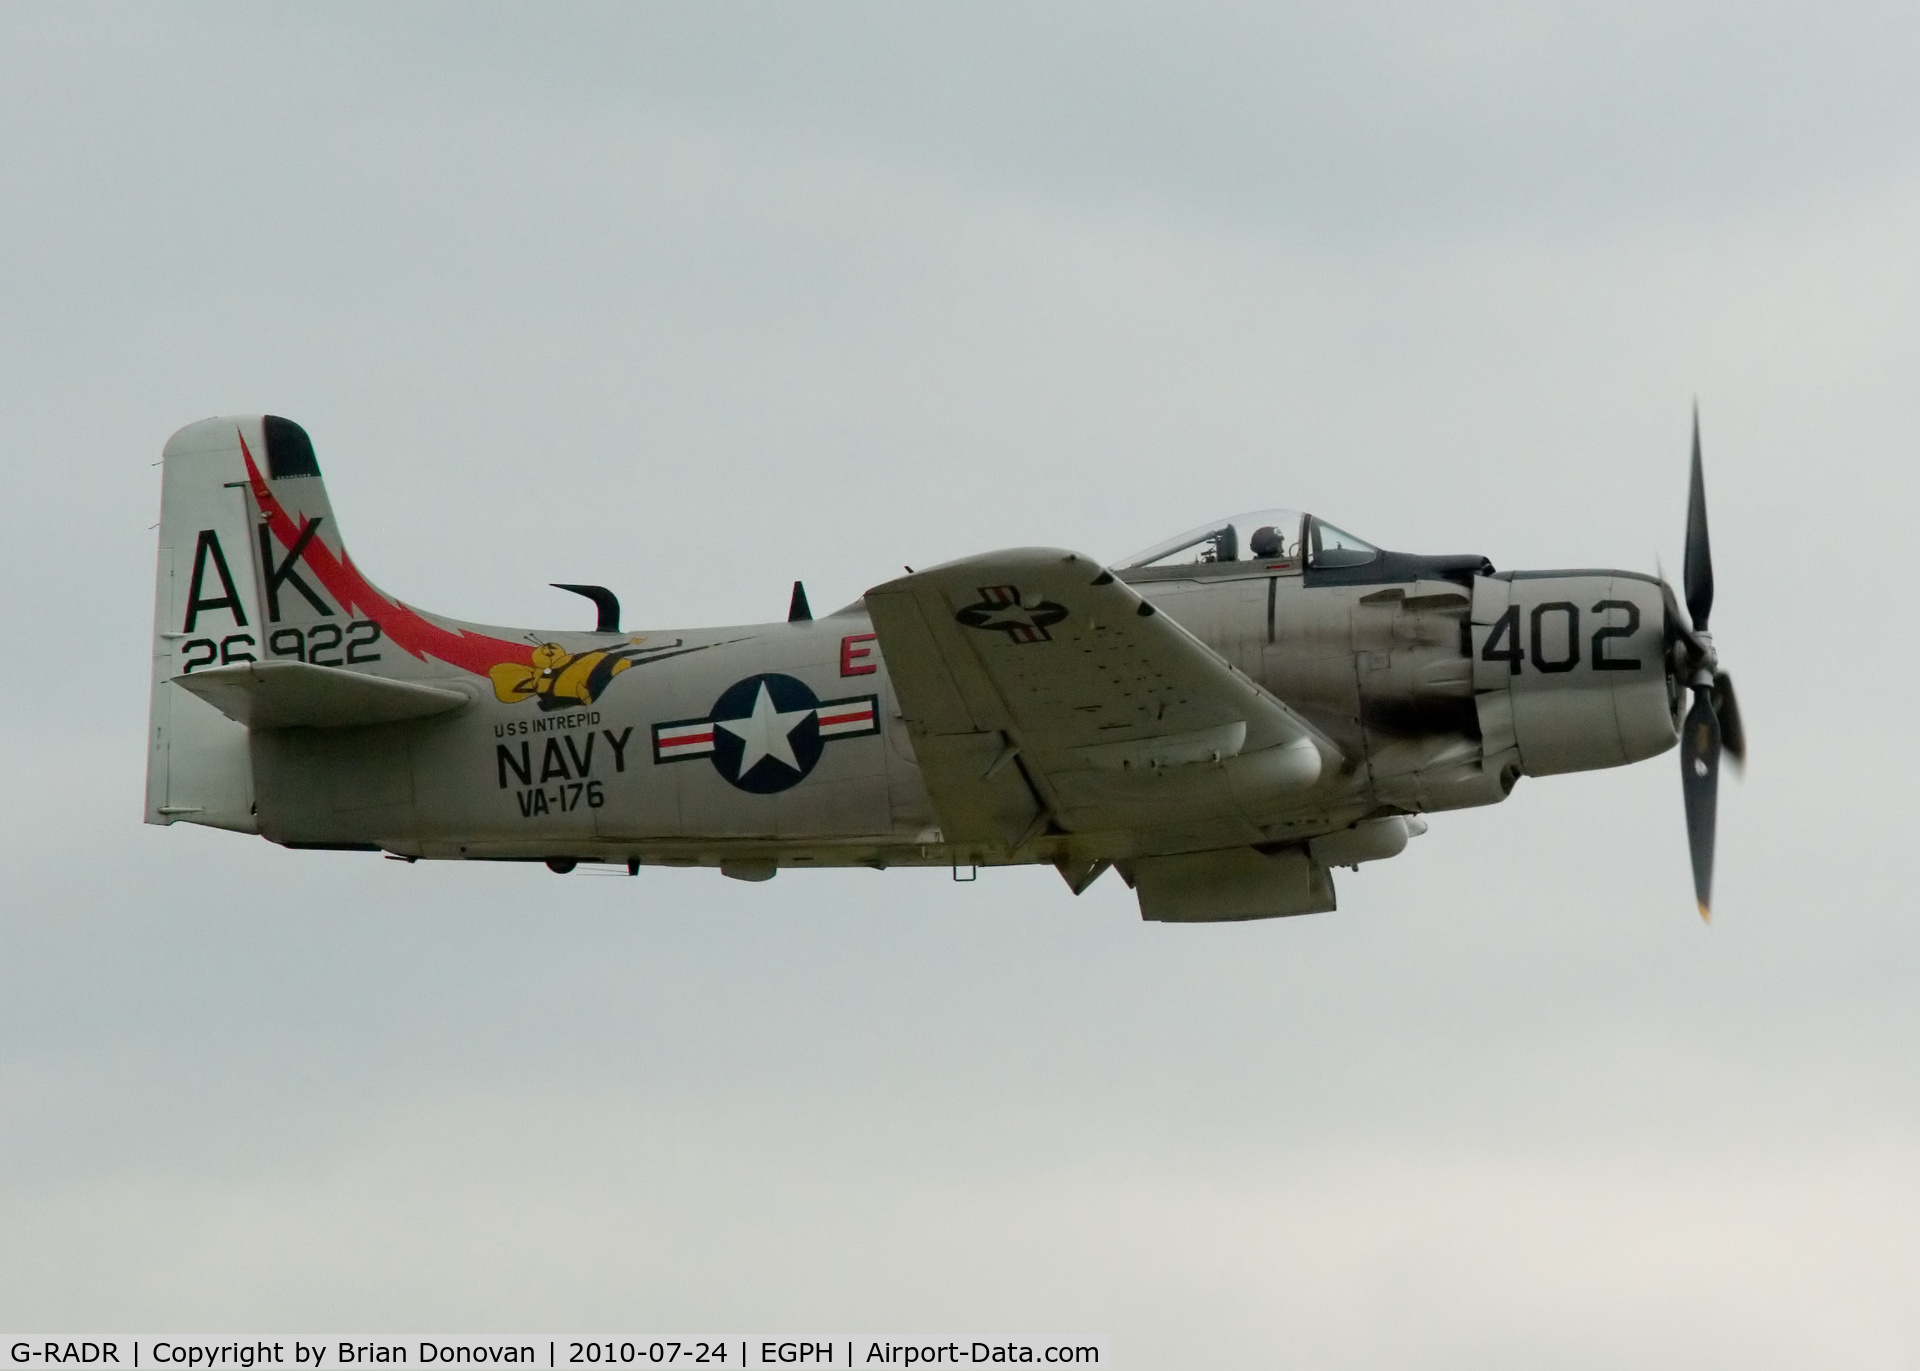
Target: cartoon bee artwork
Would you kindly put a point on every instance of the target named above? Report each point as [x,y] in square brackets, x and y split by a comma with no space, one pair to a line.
[559,679]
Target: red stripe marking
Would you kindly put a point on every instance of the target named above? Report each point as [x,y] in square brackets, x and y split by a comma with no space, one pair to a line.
[473,652]
[686,740]
[859,716]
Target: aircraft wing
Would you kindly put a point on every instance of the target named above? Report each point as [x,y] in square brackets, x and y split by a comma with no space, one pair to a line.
[1042,694]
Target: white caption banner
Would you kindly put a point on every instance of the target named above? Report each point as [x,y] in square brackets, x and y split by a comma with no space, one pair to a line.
[573,1353]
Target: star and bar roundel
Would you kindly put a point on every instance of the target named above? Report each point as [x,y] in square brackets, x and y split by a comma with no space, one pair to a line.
[1004,609]
[766,733]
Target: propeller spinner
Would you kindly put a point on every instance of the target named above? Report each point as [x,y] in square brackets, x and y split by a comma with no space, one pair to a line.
[1713,721]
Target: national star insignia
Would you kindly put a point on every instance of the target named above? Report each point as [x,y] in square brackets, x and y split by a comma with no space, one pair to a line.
[767,732]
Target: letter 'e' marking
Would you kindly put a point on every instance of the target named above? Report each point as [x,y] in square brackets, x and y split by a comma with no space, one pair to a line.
[854,660]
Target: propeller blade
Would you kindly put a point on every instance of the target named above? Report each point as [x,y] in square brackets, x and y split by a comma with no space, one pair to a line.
[1733,736]
[1713,721]
[1699,786]
[1697,574]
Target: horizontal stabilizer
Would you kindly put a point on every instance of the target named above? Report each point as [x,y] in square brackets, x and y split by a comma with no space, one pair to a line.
[299,695]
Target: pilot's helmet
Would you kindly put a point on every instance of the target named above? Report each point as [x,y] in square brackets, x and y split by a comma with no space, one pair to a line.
[1265,542]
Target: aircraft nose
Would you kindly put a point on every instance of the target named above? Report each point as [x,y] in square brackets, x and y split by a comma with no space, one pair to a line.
[1573,666]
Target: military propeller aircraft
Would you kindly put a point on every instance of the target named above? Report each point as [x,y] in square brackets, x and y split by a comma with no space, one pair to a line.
[1221,718]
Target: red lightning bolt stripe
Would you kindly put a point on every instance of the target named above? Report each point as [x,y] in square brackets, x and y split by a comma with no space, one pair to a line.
[473,652]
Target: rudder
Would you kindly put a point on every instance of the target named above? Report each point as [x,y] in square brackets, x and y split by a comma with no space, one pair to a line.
[206,612]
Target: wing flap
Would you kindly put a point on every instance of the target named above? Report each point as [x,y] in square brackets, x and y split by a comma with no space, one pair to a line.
[299,695]
[981,799]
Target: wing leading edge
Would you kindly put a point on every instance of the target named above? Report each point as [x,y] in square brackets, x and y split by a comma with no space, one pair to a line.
[1045,697]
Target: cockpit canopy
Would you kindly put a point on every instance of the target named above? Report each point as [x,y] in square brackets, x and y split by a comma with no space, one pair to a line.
[1265,535]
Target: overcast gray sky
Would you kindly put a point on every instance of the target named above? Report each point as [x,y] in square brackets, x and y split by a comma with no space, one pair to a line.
[695,300]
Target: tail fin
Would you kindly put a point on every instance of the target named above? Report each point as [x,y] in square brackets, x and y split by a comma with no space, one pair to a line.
[252,569]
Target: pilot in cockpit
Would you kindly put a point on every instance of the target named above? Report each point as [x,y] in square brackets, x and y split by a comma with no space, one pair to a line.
[1260,534]
[1273,540]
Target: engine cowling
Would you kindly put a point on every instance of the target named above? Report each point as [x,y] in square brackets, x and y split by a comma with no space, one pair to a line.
[1570,670]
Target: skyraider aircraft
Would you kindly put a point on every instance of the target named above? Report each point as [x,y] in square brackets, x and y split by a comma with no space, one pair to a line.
[1221,718]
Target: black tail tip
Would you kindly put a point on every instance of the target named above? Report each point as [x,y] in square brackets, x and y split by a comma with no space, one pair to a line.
[289,450]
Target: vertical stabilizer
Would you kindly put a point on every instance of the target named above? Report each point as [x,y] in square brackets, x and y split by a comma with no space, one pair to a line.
[252,568]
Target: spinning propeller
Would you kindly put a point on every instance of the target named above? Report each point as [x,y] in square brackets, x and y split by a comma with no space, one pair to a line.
[1713,722]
